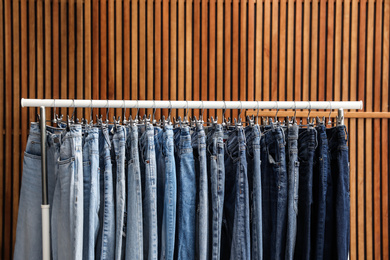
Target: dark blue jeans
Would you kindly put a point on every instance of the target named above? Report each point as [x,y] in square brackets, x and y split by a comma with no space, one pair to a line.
[306,147]
[337,226]
[293,186]
[320,175]
[252,135]
[274,192]
[235,227]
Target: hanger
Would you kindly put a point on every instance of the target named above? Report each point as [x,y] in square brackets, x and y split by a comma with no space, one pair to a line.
[238,121]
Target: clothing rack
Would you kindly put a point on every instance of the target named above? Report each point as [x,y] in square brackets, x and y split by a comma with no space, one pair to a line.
[43,103]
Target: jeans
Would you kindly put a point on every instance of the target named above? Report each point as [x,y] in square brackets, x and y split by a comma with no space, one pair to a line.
[91,191]
[198,139]
[166,190]
[149,191]
[337,231]
[67,213]
[320,176]
[134,225]
[119,142]
[306,147]
[105,247]
[186,195]
[216,168]
[252,135]
[28,242]
[293,186]
[274,192]
[235,228]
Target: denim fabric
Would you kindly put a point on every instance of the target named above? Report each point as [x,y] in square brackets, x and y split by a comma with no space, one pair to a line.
[91,191]
[320,175]
[274,192]
[216,169]
[105,247]
[149,190]
[252,135]
[306,146]
[337,226]
[293,186]
[67,214]
[235,228]
[119,145]
[198,139]
[134,225]
[28,243]
[186,195]
[166,190]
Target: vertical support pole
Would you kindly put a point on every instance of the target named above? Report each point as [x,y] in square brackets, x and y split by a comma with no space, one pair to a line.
[45,207]
[340,117]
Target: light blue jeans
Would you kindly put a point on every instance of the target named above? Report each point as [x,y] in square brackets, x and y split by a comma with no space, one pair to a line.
[105,247]
[149,191]
[186,199]
[166,190]
[119,142]
[216,168]
[91,191]
[252,135]
[134,232]
[202,217]
[68,202]
[28,242]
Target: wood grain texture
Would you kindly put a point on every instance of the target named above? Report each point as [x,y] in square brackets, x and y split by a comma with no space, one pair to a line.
[227,54]
[282,50]
[259,50]
[274,50]
[165,53]
[150,52]
[306,50]
[290,51]
[180,53]
[298,51]
[79,55]
[2,113]
[173,53]
[134,54]
[220,56]
[314,51]
[337,51]
[330,52]
[142,52]
[119,54]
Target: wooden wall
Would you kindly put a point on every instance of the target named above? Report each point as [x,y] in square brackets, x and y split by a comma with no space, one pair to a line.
[203,50]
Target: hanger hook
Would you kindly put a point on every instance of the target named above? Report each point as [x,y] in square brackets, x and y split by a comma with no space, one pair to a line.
[187,109]
[224,110]
[277,111]
[202,109]
[74,109]
[257,116]
[330,112]
[90,115]
[108,108]
[239,115]
[124,109]
[55,119]
[154,109]
[295,111]
[136,116]
[308,115]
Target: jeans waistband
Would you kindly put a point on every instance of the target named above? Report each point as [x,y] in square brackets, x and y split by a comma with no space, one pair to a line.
[236,137]
[308,136]
[292,132]
[198,137]
[252,135]
[337,136]
[274,134]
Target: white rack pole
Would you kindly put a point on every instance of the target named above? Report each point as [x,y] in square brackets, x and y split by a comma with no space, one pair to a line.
[192,104]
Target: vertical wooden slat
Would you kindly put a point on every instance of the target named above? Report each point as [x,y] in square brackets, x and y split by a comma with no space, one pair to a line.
[259,50]
[321,52]
[180,57]
[346,54]
[2,112]
[64,53]
[8,132]
[111,53]
[157,60]
[251,47]
[165,53]
[142,53]
[15,123]
[24,79]
[119,53]
[40,49]
[361,180]
[243,51]
[282,51]
[134,53]
[337,50]
[173,53]
[188,49]
[330,50]
[56,51]
[220,54]
[274,51]
[235,50]
[227,54]
[87,56]
[71,51]
[96,53]
[48,73]
[150,51]
[267,50]
[290,50]
[204,52]
[211,58]
[385,138]
[32,56]
[196,57]
[80,54]
[298,49]
[314,51]
[103,54]
[353,154]
[306,50]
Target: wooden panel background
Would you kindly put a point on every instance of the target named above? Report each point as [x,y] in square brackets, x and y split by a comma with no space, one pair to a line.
[203,50]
